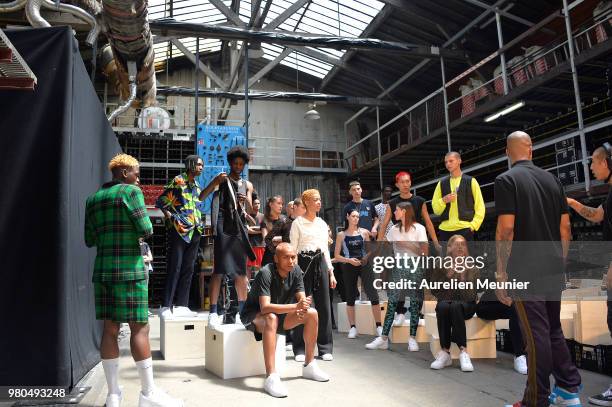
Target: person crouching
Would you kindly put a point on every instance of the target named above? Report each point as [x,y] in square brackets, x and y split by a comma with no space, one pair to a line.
[269,310]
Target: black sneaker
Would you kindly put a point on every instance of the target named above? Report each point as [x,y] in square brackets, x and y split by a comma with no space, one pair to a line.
[603,399]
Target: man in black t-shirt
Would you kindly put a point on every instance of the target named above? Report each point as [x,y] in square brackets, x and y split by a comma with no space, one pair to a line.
[403,182]
[533,233]
[277,303]
[601,166]
[368,219]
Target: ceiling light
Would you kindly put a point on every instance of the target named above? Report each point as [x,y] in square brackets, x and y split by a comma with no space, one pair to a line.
[312,113]
[505,111]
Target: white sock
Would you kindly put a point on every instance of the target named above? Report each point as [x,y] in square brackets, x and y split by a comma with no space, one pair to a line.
[111,371]
[145,371]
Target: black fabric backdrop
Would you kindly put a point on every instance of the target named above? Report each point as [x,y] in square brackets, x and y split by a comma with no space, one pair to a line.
[55,143]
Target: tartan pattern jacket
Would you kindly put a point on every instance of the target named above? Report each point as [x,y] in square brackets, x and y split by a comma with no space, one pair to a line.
[115,217]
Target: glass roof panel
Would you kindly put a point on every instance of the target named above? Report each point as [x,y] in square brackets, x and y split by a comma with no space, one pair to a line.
[346,18]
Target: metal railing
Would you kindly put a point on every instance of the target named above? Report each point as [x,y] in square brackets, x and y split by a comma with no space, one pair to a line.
[130,118]
[296,154]
[427,116]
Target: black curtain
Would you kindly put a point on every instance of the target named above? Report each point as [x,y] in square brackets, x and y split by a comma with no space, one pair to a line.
[55,143]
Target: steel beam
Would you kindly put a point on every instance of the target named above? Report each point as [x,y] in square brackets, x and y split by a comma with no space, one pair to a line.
[282,17]
[200,65]
[269,66]
[425,62]
[228,13]
[570,46]
[175,28]
[279,96]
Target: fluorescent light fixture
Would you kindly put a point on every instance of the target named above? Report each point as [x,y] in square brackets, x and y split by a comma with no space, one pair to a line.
[505,111]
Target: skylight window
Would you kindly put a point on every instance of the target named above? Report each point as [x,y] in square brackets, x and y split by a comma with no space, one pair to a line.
[346,18]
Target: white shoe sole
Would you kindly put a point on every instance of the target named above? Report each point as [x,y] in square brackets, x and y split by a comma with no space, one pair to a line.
[599,402]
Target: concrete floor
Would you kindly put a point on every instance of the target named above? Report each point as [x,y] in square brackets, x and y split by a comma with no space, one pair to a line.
[359,378]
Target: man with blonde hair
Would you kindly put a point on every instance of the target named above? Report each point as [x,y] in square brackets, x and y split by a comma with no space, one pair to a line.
[115,218]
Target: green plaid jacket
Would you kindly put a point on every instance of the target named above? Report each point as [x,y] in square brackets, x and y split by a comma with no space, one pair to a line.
[115,217]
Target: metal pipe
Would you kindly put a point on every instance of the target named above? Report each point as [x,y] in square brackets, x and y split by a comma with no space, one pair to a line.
[246,93]
[583,147]
[35,19]
[79,13]
[14,5]
[446,119]
[379,149]
[196,96]
[171,27]
[126,105]
[502,54]
[32,12]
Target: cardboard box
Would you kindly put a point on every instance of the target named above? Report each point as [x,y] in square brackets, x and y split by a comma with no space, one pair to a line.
[400,334]
[590,324]
[232,351]
[364,319]
[183,338]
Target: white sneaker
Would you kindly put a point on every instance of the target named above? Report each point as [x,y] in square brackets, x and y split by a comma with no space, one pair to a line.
[328,357]
[465,362]
[158,398]
[299,358]
[274,387]
[289,347]
[399,320]
[184,312]
[214,320]
[237,319]
[352,333]
[413,345]
[378,343]
[165,312]
[443,359]
[520,364]
[379,330]
[113,400]
[314,372]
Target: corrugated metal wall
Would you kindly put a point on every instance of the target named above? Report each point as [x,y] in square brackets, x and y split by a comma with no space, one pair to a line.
[290,186]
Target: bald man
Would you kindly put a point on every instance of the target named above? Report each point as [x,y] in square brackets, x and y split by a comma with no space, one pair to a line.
[533,233]
[275,304]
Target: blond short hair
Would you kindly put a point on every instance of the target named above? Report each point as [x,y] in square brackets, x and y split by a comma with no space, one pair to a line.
[309,195]
[122,160]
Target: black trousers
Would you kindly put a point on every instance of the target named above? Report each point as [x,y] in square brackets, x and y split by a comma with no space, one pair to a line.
[350,274]
[547,351]
[492,310]
[451,317]
[267,258]
[321,302]
[401,307]
[179,269]
[444,235]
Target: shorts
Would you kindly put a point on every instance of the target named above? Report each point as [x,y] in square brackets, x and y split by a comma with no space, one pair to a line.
[259,253]
[122,301]
[247,321]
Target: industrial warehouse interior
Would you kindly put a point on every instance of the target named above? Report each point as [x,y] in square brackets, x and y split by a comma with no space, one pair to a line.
[263,202]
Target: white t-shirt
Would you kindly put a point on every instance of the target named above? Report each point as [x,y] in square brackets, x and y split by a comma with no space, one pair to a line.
[416,233]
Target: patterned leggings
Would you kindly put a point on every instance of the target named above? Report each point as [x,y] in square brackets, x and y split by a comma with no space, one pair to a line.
[416,300]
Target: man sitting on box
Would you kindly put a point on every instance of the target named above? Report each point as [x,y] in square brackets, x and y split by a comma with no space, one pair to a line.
[270,309]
